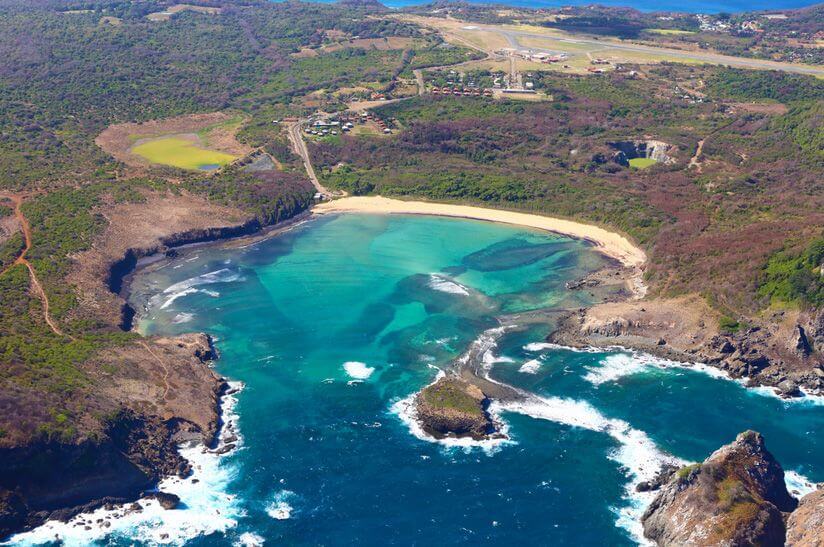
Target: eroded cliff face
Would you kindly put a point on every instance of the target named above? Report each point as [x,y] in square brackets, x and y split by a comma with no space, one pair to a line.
[735,497]
[162,393]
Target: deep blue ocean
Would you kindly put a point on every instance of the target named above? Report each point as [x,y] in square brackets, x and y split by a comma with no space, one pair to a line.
[332,326]
[689,6]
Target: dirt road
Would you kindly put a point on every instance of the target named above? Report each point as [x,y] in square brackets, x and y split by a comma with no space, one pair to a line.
[17,200]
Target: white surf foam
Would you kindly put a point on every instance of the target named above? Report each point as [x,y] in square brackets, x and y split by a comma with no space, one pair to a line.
[444,284]
[206,506]
[637,453]
[189,286]
[182,318]
[541,346]
[618,365]
[358,370]
[530,367]
[798,485]
[280,508]
[250,539]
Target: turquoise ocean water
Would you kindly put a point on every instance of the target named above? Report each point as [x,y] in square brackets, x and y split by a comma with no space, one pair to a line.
[331,326]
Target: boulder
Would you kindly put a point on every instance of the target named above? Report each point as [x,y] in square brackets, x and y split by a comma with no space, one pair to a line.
[805,527]
[788,389]
[735,497]
[165,499]
[799,343]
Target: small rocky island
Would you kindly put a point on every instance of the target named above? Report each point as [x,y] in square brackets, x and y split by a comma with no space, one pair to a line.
[737,496]
[452,407]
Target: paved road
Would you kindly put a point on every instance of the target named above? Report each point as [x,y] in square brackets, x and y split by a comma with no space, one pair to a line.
[300,148]
[512,36]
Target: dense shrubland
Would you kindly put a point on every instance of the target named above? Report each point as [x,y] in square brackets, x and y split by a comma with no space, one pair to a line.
[712,231]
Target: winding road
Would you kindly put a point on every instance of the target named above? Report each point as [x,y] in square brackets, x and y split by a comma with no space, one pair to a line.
[17,200]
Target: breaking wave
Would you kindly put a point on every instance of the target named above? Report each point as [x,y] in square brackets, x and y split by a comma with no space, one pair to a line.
[637,453]
[189,286]
[358,370]
[205,505]
[444,284]
[280,508]
[531,367]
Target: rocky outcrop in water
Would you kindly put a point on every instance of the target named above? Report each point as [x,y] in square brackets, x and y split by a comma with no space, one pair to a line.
[452,407]
[737,496]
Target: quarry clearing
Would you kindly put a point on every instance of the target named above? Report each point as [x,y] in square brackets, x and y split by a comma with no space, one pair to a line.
[198,141]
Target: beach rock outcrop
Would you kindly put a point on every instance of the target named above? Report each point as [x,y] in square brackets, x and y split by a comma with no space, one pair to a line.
[452,407]
[805,527]
[735,497]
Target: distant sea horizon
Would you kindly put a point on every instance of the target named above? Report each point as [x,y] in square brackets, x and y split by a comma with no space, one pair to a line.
[689,6]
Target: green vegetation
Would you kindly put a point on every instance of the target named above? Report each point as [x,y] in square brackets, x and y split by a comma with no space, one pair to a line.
[756,85]
[796,278]
[642,163]
[11,249]
[803,124]
[687,470]
[451,394]
[728,324]
[181,153]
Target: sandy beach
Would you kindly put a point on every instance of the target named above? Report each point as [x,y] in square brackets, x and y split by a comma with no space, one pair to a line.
[609,243]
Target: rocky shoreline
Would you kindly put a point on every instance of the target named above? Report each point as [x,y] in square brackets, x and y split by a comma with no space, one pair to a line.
[793,367]
[50,480]
[737,496]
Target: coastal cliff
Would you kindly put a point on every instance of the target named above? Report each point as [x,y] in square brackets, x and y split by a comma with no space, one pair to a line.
[46,476]
[136,399]
[737,496]
[805,527]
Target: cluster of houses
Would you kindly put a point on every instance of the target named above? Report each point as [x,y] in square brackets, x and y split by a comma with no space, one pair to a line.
[461,91]
[712,24]
[336,125]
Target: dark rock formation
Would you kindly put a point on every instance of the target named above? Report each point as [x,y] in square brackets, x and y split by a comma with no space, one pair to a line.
[805,527]
[52,478]
[167,501]
[736,497]
[452,407]
[799,343]
[660,479]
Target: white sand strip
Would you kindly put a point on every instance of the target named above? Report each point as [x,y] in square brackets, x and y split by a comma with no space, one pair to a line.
[609,243]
